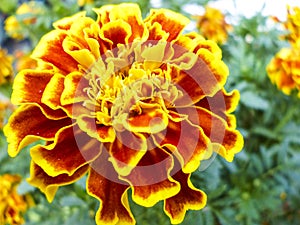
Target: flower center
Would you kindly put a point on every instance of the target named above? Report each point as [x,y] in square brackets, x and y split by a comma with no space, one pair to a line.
[128,94]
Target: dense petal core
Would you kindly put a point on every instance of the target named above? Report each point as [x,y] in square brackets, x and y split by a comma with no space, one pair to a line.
[135,104]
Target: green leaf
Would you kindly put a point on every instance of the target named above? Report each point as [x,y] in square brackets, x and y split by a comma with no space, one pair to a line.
[254,101]
[71,201]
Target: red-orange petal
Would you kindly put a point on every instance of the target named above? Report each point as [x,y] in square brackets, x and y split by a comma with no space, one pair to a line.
[70,150]
[187,142]
[151,180]
[188,198]
[50,50]
[116,32]
[221,103]
[48,184]
[196,83]
[127,12]
[114,208]
[28,124]
[126,151]
[171,22]
[95,130]
[227,141]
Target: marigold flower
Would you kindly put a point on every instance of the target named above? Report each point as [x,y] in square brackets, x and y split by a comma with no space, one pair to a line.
[6,68]
[26,14]
[12,205]
[292,24]
[134,103]
[213,26]
[284,70]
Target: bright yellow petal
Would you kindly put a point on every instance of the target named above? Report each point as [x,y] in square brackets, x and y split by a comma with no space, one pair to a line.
[29,86]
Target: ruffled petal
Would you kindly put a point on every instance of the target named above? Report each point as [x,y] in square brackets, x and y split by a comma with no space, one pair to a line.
[188,198]
[50,50]
[114,208]
[151,180]
[95,130]
[28,124]
[29,86]
[195,83]
[226,140]
[78,52]
[126,151]
[221,104]
[48,184]
[53,90]
[131,14]
[149,121]
[171,22]
[187,142]
[116,32]
[70,150]
[67,22]
[73,92]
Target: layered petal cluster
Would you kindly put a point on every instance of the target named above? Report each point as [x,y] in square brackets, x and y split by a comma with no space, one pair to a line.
[12,205]
[284,68]
[6,68]
[213,26]
[134,103]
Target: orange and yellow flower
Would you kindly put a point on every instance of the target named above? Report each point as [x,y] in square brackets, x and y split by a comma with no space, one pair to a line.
[6,68]
[292,24]
[12,205]
[213,26]
[284,70]
[26,15]
[134,103]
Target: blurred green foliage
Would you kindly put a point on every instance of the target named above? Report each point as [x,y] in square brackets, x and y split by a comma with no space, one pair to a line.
[262,184]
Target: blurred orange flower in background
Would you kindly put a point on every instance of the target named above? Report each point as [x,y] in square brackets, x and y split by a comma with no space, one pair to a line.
[213,26]
[12,205]
[134,103]
[284,68]
[6,67]
[26,14]
[292,25]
